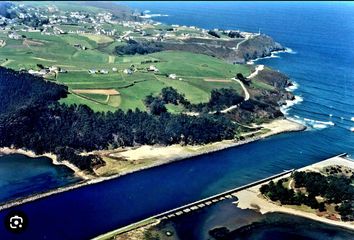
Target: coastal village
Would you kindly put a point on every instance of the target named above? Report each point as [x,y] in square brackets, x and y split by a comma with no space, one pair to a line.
[123,89]
[50,21]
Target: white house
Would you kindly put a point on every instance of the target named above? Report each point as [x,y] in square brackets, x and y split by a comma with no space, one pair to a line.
[172,76]
[127,71]
[152,68]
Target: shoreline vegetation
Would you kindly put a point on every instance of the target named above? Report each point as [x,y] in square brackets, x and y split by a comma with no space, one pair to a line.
[77,148]
[251,198]
[126,161]
[248,199]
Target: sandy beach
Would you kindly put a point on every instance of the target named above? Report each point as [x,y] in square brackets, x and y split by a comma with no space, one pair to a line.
[251,198]
[53,157]
[120,162]
[125,160]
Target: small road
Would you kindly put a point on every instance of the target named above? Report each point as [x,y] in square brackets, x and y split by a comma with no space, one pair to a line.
[247,38]
[258,68]
[238,44]
[247,94]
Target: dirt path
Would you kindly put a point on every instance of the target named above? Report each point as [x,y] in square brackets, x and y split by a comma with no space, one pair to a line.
[247,95]
[257,70]
[238,44]
[43,59]
[247,38]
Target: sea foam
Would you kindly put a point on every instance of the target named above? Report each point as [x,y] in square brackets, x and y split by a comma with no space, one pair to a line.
[292,87]
[274,54]
[289,103]
[316,124]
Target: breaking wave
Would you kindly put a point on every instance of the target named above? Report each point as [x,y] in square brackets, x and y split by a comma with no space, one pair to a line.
[292,87]
[289,103]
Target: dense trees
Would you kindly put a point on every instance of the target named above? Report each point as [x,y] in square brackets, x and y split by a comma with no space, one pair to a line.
[219,100]
[32,118]
[213,33]
[18,90]
[334,189]
[170,95]
[134,47]
[235,34]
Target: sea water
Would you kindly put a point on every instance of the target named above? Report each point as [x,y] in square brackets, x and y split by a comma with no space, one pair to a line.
[320,37]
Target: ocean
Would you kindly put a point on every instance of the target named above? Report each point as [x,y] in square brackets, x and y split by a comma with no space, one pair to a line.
[320,61]
[320,56]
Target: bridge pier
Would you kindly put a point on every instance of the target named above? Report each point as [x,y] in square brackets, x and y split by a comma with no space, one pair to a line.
[213,199]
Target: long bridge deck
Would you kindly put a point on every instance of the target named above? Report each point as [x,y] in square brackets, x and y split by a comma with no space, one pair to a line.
[189,207]
[197,204]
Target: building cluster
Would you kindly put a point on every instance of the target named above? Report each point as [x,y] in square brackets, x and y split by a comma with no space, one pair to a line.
[47,70]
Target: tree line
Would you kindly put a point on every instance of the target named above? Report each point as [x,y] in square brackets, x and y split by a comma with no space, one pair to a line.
[219,100]
[334,189]
[32,118]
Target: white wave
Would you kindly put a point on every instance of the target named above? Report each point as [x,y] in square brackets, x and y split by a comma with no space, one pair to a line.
[331,115]
[319,126]
[289,103]
[329,123]
[316,124]
[352,129]
[273,54]
[289,50]
[311,123]
[352,119]
[292,87]
[153,15]
[297,120]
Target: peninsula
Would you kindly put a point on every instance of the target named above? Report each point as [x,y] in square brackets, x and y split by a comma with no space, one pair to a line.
[333,209]
[107,91]
[322,192]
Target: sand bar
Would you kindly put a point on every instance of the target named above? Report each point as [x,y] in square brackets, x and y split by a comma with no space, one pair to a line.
[251,198]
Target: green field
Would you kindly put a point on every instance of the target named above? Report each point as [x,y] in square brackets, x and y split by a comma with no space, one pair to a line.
[195,72]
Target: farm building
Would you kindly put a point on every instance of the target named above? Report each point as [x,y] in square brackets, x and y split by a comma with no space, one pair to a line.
[152,68]
[128,71]
[172,76]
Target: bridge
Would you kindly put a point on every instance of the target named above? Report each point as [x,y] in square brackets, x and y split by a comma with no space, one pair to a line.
[189,207]
[229,194]
[215,198]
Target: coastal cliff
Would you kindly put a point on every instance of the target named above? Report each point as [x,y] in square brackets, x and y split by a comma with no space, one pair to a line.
[265,102]
[258,47]
[236,51]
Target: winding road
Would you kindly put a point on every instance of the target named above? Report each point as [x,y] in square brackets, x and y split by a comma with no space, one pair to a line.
[247,94]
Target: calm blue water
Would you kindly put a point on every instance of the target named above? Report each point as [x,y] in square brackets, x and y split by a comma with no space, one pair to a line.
[320,34]
[21,175]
